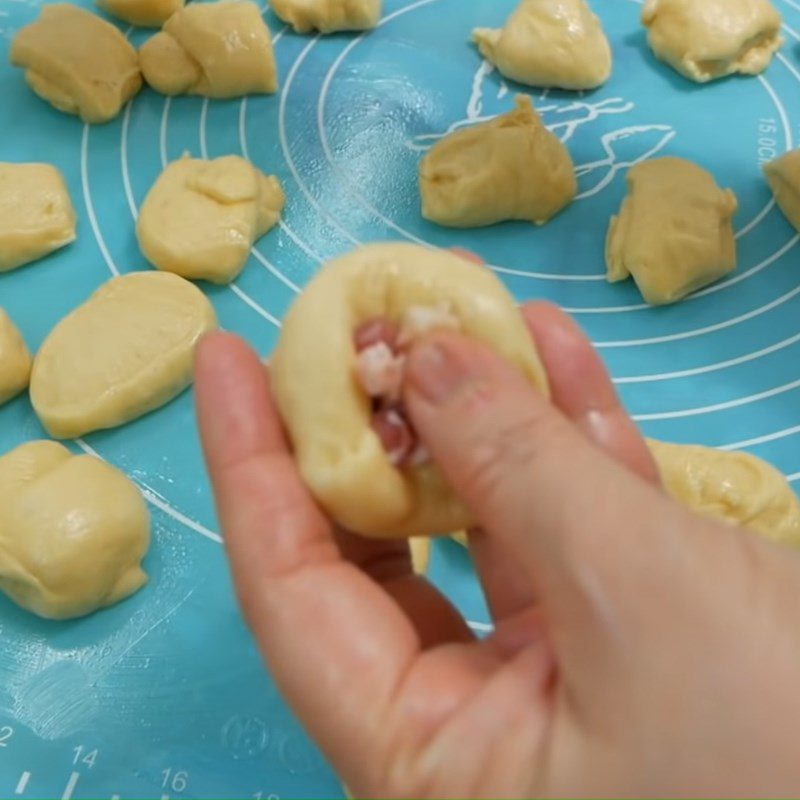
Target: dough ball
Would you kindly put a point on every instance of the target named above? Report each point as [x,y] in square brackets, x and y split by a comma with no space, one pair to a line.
[329,417]
[674,231]
[15,360]
[736,488]
[126,351]
[783,177]
[550,43]
[78,62]
[510,168]
[221,49]
[707,39]
[327,16]
[73,531]
[145,13]
[201,218]
[36,214]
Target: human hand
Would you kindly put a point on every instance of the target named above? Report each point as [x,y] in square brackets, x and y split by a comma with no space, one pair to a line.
[637,650]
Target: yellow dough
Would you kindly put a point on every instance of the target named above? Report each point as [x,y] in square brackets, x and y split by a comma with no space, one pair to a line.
[73,531]
[549,43]
[36,215]
[674,231]
[201,218]
[328,416]
[221,49]
[420,554]
[328,16]
[145,13]
[510,168]
[15,360]
[783,177]
[78,62]
[736,488]
[126,351]
[707,39]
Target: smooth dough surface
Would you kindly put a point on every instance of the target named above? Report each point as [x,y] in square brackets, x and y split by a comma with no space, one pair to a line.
[707,39]
[549,43]
[94,82]
[126,351]
[73,531]
[328,16]
[510,168]
[674,231]
[145,13]
[201,217]
[15,360]
[36,214]
[783,177]
[327,415]
[732,487]
[221,49]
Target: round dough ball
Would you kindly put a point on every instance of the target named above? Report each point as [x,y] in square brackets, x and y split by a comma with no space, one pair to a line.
[735,488]
[15,360]
[145,13]
[73,531]
[707,39]
[328,416]
[127,350]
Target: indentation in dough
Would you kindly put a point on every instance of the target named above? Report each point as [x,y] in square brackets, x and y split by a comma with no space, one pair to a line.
[126,351]
[674,231]
[36,214]
[73,531]
[713,38]
[783,176]
[549,43]
[327,16]
[15,360]
[221,49]
[201,218]
[510,168]
[78,62]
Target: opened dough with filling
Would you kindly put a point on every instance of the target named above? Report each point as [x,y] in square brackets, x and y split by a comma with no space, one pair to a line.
[341,430]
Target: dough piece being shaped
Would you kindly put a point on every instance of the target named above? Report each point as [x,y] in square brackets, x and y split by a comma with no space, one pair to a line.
[328,416]
[15,360]
[73,531]
[126,351]
[328,16]
[510,168]
[200,218]
[736,488]
[221,49]
[674,232]
[420,554]
[549,43]
[783,177]
[144,13]
[707,39]
[36,214]
[79,63]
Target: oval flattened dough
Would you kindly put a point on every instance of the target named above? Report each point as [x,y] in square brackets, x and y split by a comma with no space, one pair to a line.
[15,360]
[328,16]
[93,82]
[783,177]
[713,38]
[674,231]
[126,351]
[736,488]
[549,43]
[73,531]
[327,415]
[510,168]
[145,13]
[201,218]
[36,214]
[221,50]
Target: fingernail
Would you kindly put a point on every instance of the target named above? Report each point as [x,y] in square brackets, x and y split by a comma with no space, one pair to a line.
[435,373]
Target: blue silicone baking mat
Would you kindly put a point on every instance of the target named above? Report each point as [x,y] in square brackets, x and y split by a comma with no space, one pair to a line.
[164,695]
